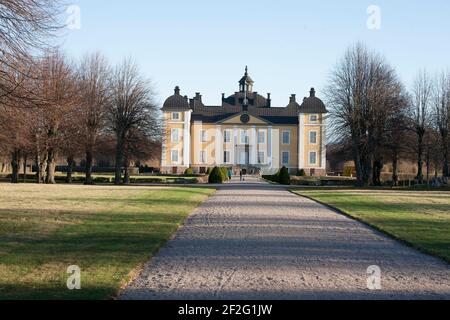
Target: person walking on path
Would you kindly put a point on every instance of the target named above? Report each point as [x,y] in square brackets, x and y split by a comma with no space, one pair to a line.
[241,174]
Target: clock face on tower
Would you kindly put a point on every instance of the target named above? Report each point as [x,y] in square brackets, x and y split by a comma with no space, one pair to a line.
[245,118]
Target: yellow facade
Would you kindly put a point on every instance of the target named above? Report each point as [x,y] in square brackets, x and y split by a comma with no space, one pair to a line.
[266,145]
[244,133]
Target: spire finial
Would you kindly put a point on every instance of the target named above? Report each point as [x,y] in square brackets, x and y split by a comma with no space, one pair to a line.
[246,70]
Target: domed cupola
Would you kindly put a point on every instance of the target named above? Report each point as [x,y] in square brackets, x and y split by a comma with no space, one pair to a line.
[176,102]
[313,104]
[246,83]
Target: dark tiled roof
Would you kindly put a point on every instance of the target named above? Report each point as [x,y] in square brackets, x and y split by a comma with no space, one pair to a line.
[313,104]
[233,105]
[254,99]
[176,102]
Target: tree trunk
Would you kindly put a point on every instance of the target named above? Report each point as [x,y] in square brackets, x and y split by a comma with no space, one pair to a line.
[51,167]
[446,169]
[25,164]
[69,177]
[395,169]
[119,160]
[357,160]
[42,168]
[377,168]
[428,164]
[420,159]
[88,171]
[15,165]
[126,177]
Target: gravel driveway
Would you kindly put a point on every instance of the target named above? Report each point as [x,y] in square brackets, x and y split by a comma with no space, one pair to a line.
[258,241]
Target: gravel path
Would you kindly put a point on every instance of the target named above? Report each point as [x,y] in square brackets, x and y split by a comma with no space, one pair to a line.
[259,241]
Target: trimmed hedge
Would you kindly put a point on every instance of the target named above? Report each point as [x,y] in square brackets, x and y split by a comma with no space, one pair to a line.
[301,173]
[284,177]
[281,177]
[224,172]
[216,176]
[189,172]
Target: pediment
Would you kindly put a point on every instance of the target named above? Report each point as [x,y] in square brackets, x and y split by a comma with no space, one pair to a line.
[245,118]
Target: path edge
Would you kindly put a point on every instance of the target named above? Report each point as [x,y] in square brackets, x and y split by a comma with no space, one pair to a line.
[137,270]
[375,228]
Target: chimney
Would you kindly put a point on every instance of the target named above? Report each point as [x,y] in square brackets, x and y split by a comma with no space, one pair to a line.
[187,99]
[223,96]
[269,100]
[198,96]
[177,90]
[312,93]
[292,99]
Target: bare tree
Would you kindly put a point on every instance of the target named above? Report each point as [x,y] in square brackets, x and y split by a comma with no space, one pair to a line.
[56,97]
[93,75]
[24,25]
[363,93]
[420,115]
[131,107]
[442,117]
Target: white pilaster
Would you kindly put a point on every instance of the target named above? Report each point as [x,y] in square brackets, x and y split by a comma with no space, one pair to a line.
[235,143]
[301,135]
[253,150]
[270,146]
[219,146]
[187,139]
[324,142]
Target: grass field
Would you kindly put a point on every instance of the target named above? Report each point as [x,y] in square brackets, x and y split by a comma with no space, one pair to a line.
[107,231]
[419,218]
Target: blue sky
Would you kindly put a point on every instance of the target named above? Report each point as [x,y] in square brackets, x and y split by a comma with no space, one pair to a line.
[289,46]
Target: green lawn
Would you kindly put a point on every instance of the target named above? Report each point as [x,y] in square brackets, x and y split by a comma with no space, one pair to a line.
[107,231]
[419,218]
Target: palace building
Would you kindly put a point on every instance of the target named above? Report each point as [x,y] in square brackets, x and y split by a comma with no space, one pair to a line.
[245,132]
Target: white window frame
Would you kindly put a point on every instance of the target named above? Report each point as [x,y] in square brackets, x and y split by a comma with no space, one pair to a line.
[172,135]
[225,134]
[225,158]
[203,157]
[311,118]
[289,137]
[309,158]
[282,157]
[203,136]
[244,137]
[172,157]
[263,160]
[177,118]
[317,137]
[264,136]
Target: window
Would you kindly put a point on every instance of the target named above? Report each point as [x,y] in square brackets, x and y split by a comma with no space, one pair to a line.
[313,137]
[202,156]
[226,157]
[244,137]
[261,137]
[227,136]
[286,137]
[175,135]
[203,136]
[261,157]
[313,157]
[285,157]
[313,118]
[175,156]
[176,116]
